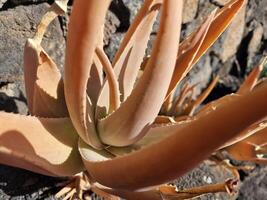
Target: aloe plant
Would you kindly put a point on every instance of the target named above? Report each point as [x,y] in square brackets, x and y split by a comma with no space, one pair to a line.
[104,130]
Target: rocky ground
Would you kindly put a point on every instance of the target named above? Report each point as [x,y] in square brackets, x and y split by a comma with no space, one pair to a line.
[235,53]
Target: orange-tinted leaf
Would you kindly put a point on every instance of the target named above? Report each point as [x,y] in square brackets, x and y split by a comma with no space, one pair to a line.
[86,22]
[252,78]
[44,85]
[199,41]
[46,146]
[130,122]
[129,55]
[180,152]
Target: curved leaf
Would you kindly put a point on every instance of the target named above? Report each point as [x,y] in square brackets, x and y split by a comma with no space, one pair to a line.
[199,41]
[46,146]
[43,83]
[252,78]
[86,22]
[143,105]
[129,55]
[180,152]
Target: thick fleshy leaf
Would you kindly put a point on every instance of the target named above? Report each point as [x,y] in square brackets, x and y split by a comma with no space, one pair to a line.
[253,131]
[43,83]
[180,152]
[199,41]
[190,110]
[96,77]
[129,55]
[252,78]
[156,133]
[114,93]
[31,63]
[216,104]
[95,80]
[46,146]
[59,7]
[134,25]
[130,122]
[180,101]
[86,22]
[130,69]
[187,52]
[252,144]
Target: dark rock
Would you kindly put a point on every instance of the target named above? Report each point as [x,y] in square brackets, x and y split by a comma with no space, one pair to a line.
[206,173]
[2,3]
[255,185]
[20,2]
[15,27]
[189,10]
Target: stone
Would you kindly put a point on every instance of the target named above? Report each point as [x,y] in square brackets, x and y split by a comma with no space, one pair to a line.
[20,2]
[133,6]
[16,26]
[255,41]
[12,98]
[206,173]
[233,36]
[2,3]
[111,25]
[189,10]
[255,185]
[220,2]
[200,74]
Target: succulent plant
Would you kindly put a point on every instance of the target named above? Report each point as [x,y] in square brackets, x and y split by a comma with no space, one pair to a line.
[100,124]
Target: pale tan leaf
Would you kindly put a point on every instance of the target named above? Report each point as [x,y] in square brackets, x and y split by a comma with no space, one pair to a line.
[143,105]
[199,41]
[95,80]
[43,82]
[147,5]
[46,146]
[178,106]
[180,152]
[86,22]
[59,7]
[130,70]
[31,63]
[156,133]
[96,77]
[140,27]
[38,65]
[187,52]
[114,93]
